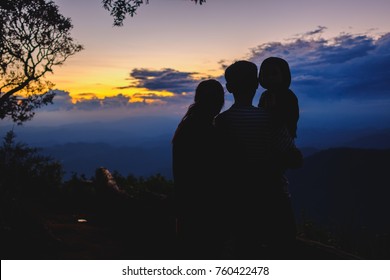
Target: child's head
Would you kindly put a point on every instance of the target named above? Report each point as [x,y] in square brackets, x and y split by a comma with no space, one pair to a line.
[275,74]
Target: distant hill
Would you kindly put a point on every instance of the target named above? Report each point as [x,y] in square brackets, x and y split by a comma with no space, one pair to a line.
[84,158]
[153,155]
[345,191]
[135,131]
[362,137]
[378,140]
[308,151]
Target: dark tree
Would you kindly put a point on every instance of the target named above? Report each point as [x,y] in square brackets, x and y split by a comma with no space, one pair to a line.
[119,9]
[34,38]
[25,171]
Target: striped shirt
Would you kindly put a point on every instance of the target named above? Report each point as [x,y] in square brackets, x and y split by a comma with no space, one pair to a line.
[251,133]
[251,165]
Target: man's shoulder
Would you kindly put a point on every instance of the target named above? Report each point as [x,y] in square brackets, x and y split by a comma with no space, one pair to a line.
[224,114]
[221,118]
[265,93]
[243,111]
[253,113]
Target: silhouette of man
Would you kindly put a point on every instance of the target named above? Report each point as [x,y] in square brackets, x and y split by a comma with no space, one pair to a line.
[255,149]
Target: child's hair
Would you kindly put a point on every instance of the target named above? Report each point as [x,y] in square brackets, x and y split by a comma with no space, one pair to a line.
[269,68]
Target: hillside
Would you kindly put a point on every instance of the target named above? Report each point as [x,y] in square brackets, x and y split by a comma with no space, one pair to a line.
[377,140]
[339,196]
[82,151]
[344,192]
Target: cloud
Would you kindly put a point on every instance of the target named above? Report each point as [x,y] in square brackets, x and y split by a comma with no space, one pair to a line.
[164,80]
[86,101]
[320,29]
[62,101]
[89,102]
[90,108]
[165,86]
[149,88]
[347,66]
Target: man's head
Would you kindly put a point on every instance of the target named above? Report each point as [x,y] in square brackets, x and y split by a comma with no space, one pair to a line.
[241,79]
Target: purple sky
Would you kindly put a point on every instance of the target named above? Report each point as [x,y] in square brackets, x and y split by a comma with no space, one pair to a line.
[339,55]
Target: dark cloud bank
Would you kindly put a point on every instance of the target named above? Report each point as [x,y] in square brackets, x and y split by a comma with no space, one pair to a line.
[355,67]
[344,67]
[165,80]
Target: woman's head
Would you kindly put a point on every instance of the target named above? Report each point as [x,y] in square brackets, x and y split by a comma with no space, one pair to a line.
[209,97]
[275,73]
[208,102]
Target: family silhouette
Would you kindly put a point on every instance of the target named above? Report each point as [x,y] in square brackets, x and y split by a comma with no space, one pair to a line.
[231,193]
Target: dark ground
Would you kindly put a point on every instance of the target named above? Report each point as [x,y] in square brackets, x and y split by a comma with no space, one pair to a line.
[62,236]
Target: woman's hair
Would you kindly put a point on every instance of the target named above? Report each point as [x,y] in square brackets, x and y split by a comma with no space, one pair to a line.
[208,101]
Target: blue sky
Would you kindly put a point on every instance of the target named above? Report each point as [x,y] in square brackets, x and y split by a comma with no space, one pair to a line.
[342,79]
[338,51]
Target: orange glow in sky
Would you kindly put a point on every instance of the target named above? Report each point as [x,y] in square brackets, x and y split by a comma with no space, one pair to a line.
[193,38]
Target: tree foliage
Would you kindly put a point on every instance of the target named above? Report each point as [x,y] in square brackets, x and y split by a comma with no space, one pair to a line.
[25,171]
[34,38]
[119,9]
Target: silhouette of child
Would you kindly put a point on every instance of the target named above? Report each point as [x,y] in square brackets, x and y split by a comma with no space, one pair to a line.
[282,104]
[278,99]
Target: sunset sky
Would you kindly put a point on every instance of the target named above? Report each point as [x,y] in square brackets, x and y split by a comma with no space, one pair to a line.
[339,54]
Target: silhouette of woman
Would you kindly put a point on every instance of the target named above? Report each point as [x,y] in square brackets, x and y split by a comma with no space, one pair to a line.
[195,155]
